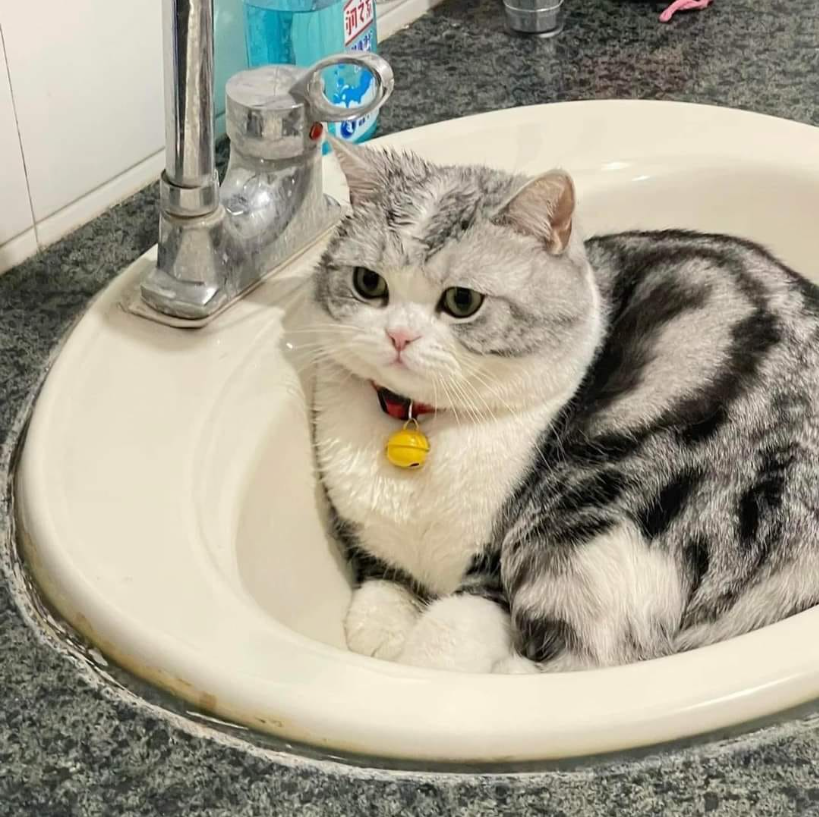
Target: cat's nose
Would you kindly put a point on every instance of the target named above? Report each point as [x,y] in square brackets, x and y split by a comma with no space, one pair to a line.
[401,338]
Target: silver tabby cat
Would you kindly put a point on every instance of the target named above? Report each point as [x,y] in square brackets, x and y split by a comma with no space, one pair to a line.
[624,431]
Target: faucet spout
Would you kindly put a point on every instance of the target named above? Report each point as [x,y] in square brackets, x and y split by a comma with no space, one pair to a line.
[188,53]
[189,280]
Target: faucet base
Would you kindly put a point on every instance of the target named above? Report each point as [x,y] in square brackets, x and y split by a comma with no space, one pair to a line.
[189,280]
[141,303]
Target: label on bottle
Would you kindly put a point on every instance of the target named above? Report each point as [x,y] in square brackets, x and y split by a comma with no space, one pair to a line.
[359,35]
[358,18]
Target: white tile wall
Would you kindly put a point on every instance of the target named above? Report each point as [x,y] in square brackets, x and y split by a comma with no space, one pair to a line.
[86,80]
[16,220]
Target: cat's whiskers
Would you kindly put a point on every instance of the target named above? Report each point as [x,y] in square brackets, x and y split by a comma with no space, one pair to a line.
[515,418]
[313,360]
[474,371]
[469,401]
[466,403]
[451,402]
[322,327]
[468,384]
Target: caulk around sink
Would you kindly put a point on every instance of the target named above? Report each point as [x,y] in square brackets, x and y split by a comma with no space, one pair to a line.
[540,18]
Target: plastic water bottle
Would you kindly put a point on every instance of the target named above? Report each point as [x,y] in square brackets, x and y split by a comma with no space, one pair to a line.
[301,32]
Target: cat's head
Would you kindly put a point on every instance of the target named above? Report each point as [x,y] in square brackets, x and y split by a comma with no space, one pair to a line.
[459,287]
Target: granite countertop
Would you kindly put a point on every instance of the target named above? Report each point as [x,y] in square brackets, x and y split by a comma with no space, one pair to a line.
[73,741]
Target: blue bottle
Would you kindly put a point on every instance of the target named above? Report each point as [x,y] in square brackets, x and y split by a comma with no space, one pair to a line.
[301,32]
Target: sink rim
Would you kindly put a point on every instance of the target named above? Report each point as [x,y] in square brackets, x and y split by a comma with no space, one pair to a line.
[453,735]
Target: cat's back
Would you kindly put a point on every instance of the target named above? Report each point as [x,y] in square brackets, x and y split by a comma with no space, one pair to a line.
[697,428]
[633,266]
[698,322]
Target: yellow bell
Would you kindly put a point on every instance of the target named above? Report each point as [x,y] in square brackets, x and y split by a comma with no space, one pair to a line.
[408,448]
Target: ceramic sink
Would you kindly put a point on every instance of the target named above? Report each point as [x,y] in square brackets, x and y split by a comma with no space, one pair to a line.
[170,510]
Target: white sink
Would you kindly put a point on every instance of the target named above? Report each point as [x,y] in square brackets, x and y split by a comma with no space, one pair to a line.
[172,514]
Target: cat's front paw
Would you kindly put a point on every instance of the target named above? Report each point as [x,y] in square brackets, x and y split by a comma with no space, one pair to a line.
[380,618]
[460,633]
[515,665]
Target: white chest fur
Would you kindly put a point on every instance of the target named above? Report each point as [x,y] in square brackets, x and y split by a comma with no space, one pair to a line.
[428,522]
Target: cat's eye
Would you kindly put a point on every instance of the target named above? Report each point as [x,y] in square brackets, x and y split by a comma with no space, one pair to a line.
[461,302]
[369,284]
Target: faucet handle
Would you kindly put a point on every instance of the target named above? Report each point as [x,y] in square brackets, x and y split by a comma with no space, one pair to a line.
[310,87]
[271,110]
[263,118]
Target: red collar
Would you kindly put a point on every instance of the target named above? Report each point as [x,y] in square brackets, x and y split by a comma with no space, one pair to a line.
[398,406]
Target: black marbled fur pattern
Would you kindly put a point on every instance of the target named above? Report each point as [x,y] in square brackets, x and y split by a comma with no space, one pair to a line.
[70,749]
[723,479]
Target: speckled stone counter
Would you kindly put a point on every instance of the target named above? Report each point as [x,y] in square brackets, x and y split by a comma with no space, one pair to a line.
[74,741]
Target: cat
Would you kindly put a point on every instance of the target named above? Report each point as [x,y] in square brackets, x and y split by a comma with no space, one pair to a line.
[623,431]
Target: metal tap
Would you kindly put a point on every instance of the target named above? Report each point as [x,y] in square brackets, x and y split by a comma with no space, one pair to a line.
[215,244]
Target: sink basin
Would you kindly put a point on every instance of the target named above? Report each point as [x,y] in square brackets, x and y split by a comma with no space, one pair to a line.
[171,514]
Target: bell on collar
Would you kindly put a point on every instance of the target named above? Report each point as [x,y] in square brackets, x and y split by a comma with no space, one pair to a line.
[409,447]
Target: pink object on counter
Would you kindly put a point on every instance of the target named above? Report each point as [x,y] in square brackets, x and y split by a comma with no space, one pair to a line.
[683,5]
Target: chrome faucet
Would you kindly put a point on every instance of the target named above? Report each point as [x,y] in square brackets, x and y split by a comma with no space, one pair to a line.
[217,243]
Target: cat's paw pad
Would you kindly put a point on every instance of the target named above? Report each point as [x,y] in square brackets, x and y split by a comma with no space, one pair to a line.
[380,617]
[459,633]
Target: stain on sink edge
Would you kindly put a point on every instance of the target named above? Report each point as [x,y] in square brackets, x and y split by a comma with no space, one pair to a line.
[77,635]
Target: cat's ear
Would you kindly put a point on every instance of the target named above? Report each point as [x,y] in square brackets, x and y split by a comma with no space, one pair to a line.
[360,168]
[544,209]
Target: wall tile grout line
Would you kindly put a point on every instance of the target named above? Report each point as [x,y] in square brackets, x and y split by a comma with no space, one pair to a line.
[19,137]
